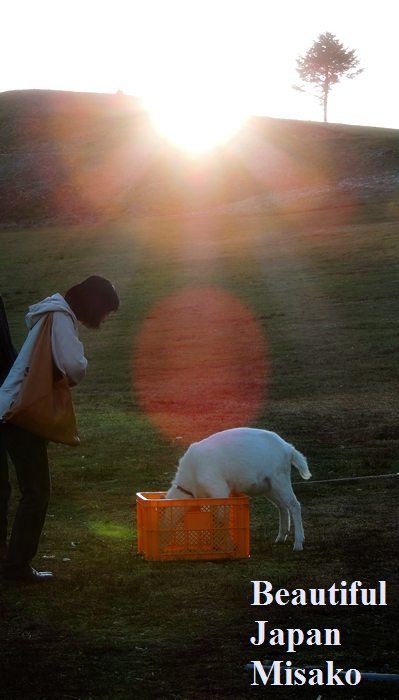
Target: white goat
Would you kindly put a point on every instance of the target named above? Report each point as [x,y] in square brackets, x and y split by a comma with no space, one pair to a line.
[244,460]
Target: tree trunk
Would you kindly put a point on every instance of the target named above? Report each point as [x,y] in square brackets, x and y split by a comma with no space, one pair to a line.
[326,89]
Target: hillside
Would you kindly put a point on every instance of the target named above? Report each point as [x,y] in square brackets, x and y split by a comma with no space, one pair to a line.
[71,157]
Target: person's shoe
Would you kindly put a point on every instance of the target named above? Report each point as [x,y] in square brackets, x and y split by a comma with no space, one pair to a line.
[26,574]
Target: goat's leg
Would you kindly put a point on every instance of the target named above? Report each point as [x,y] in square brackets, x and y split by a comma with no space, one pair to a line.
[282,489]
[295,510]
[284,517]
[209,487]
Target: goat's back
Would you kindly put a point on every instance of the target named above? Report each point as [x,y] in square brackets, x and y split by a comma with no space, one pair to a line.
[243,458]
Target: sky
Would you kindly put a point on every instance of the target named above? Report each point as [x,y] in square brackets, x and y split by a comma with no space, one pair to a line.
[243,51]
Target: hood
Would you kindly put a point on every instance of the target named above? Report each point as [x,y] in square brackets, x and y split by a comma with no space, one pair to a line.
[54,303]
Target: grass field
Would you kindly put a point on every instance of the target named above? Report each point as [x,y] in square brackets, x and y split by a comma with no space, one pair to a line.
[310,351]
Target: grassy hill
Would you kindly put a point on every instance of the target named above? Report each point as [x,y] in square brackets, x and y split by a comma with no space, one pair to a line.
[70,157]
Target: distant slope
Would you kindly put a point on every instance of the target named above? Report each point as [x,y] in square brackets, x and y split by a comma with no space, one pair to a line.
[68,157]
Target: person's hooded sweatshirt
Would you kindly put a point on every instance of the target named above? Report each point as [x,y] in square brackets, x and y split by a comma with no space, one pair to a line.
[67,349]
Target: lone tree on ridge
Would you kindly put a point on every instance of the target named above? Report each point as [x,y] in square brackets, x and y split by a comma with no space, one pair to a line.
[325,64]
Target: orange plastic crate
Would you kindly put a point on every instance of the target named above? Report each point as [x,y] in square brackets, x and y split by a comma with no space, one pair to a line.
[195,528]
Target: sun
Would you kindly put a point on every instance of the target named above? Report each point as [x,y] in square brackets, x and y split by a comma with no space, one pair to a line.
[196,85]
[196,122]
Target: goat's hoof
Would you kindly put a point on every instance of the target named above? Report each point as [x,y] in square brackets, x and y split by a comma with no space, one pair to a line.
[298,547]
[280,540]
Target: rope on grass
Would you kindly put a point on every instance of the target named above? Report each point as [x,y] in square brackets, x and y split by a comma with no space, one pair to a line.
[348,478]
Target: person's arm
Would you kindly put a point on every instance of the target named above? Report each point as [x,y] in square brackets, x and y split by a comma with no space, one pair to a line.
[68,351]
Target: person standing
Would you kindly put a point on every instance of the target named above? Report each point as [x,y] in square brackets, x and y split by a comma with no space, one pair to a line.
[90,303]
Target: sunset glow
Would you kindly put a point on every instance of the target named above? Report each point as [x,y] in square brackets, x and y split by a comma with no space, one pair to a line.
[169,50]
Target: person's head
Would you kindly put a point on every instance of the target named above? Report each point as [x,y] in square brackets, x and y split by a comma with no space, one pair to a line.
[92,300]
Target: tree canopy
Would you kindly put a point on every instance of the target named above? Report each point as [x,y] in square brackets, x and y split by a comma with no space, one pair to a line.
[325,64]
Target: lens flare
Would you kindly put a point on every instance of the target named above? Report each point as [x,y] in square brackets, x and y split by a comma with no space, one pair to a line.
[200,364]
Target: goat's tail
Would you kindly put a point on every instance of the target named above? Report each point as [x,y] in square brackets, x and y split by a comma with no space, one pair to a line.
[299,461]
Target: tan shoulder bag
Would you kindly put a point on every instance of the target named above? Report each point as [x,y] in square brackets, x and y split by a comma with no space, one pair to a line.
[44,404]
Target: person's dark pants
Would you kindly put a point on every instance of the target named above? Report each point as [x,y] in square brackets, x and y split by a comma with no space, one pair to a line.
[28,454]
[5,491]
